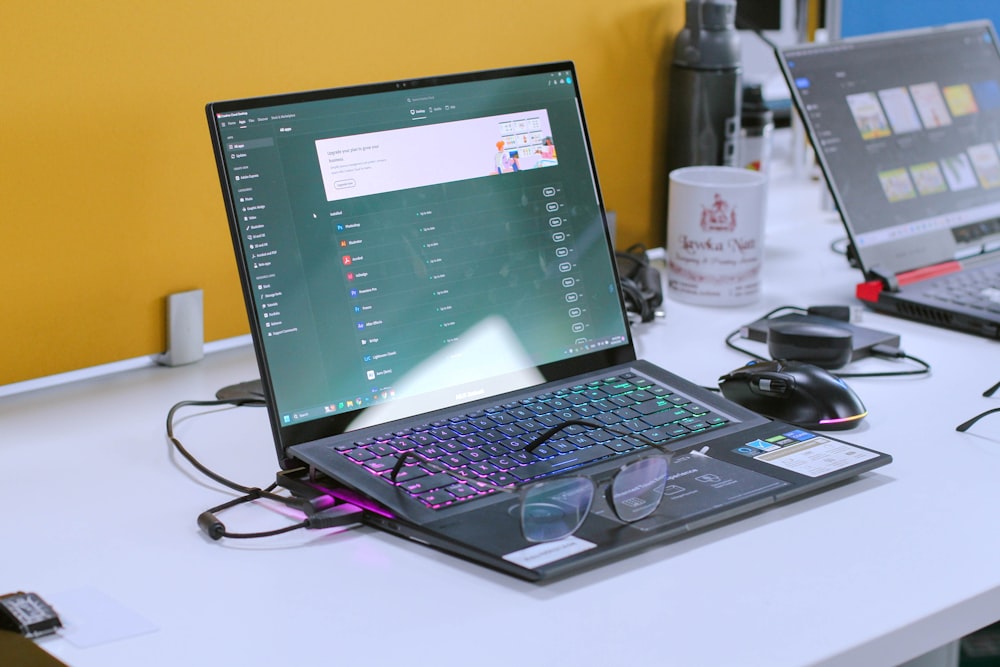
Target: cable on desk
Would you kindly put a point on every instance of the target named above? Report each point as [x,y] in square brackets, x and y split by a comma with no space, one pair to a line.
[840,313]
[322,512]
[195,462]
[890,352]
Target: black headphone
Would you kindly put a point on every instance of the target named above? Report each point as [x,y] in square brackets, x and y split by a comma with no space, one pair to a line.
[641,285]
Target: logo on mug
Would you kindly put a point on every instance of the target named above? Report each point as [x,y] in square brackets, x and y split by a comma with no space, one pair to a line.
[719,217]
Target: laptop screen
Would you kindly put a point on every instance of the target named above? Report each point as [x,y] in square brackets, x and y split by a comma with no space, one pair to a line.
[412,245]
[907,127]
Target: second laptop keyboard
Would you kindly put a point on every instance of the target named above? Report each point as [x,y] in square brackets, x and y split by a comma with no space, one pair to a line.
[977,288]
[490,444]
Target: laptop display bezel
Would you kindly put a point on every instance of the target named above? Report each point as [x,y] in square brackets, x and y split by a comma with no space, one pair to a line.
[287,435]
[871,264]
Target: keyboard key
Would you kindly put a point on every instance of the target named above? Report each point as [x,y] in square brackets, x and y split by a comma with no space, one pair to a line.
[496,449]
[503,418]
[484,468]
[505,462]
[431,451]
[561,462]
[666,417]
[608,418]
[408,473]
[619,445]
[462,490]
[403,444]
[649,407]
[381,464]
[428,483]
[451,446]
[627,413]
[642,396]
[453,461]
[474,455]
[381,448]
[359,455]
[502,479]
[436,498]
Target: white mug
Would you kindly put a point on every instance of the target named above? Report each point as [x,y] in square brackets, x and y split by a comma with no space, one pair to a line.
[715,235]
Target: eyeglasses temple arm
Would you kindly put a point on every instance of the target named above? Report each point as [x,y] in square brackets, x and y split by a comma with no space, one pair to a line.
[400,462]
[965,426]
[548,433]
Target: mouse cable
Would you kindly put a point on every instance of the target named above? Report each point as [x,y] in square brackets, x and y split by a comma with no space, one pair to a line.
[322,512]
[840,313]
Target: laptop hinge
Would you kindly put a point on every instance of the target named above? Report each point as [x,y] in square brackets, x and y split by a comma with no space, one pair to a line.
[886,277]
[879,280]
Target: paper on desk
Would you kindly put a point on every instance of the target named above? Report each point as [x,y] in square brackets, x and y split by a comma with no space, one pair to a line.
[91,618]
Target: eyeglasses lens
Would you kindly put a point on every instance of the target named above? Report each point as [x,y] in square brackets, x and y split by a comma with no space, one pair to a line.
[638,488]
[555,509]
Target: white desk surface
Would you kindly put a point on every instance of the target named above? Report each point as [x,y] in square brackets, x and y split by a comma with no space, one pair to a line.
[875,572]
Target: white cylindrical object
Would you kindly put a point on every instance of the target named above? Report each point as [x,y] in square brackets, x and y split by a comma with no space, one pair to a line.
[715,235]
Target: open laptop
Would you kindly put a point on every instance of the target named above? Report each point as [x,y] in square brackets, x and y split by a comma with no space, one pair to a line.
[429,277]
[906,128]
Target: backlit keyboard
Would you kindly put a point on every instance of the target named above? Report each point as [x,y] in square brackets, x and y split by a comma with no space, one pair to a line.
[490,444]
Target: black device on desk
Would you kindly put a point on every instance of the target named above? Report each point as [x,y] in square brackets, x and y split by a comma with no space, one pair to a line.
[794,391]
[909,149]
[438,324]
[820,339]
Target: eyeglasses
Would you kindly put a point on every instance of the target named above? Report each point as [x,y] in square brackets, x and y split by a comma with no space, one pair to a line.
[966,425]
[553,509]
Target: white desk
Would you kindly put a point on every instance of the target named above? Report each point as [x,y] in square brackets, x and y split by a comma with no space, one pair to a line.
[875,572]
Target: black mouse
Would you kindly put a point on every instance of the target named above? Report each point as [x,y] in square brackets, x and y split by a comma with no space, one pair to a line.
[795,392]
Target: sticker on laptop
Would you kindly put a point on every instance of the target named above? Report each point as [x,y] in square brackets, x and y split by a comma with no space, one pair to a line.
[544,553]
[805,453]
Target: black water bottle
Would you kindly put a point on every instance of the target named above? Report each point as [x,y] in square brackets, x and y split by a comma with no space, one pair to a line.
[705,87]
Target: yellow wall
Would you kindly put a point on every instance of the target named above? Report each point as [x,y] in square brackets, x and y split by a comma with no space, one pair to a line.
[108,192]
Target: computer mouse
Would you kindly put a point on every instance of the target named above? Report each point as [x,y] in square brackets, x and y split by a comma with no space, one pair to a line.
[795,392]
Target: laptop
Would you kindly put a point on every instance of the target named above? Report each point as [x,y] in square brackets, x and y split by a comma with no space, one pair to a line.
[431,287]
[906,128]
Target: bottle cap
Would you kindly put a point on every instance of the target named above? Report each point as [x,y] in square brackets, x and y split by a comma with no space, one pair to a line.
[709,39]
